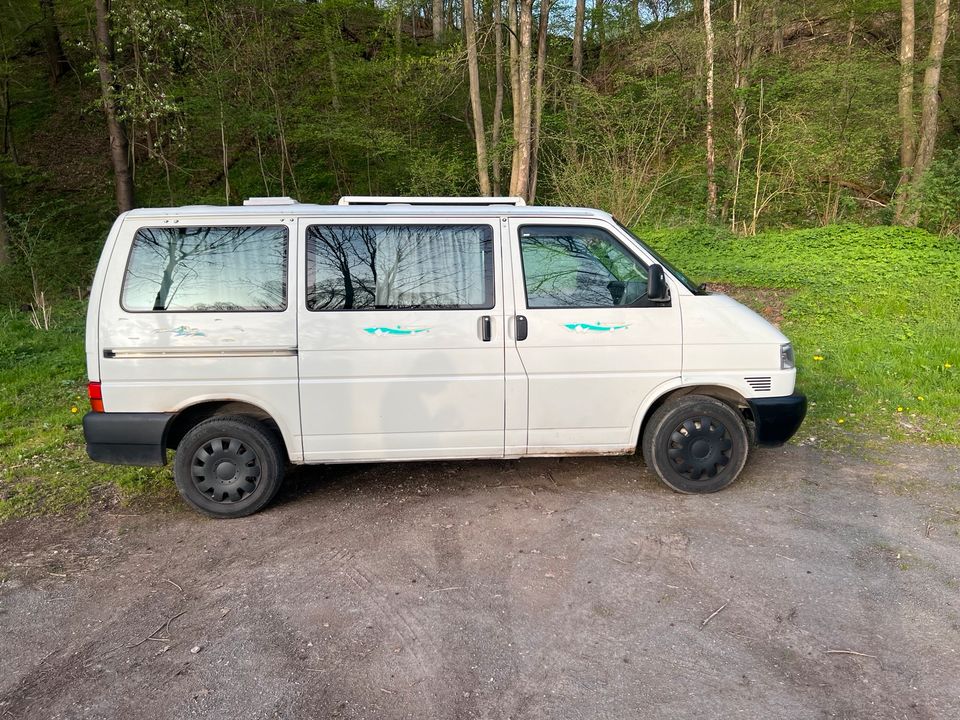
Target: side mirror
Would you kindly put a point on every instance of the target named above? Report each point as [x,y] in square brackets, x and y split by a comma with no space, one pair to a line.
[656,284]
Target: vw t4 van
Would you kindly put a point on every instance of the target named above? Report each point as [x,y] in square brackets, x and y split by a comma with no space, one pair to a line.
[381,329]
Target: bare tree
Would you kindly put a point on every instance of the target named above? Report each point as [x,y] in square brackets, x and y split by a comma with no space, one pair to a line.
[498,97]
[476,107]
[542,39]
[578,40]
[905,101]
[711,152]
[523,102]
[741,61]
[930,98]
[513,27]
[119,147]
[436,16]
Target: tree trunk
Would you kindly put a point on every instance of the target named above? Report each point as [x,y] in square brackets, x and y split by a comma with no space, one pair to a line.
[498,98]
[711,153]
[119,148]
[520,181]
[905,102]
[437,19]
[476,107]
[56,59]
[777,45]
[538,97]
[599,25]
[514,27]
[4,232]
[740,83]
[6,141]
[578,40]
[930,99]
[739,72]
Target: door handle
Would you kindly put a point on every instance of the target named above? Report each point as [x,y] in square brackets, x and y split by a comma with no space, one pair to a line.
[521,327]
[486,328]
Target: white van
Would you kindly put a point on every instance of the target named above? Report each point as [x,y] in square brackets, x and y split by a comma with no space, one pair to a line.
[387,329]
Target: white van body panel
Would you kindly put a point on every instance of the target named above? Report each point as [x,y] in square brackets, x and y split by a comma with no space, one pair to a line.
[92,330]
[589,369]
[402,384]
[168,361]
[729,345]
[582,381]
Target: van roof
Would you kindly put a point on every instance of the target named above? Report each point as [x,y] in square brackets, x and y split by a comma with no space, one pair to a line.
[384,210]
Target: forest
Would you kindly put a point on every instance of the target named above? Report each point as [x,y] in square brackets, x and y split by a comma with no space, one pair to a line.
[741,114]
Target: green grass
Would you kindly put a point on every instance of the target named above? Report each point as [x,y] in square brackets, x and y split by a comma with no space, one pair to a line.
[43,463]
[880,306]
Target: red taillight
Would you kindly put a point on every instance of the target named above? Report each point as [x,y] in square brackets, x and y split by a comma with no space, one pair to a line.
[96,396]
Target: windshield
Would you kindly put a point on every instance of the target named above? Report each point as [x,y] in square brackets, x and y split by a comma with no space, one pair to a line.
[693,287]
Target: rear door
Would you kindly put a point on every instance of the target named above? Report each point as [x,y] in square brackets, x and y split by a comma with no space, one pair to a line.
[401,339]
[594,347]
[197,309]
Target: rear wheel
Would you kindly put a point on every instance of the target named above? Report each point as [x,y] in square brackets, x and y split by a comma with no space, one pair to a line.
[696,444]
[228,467]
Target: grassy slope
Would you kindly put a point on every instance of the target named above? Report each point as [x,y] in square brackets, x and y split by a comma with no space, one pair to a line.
[880,306]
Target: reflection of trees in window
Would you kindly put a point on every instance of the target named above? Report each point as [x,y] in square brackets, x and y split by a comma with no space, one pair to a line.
[207,269]
[362,267]
[578,267]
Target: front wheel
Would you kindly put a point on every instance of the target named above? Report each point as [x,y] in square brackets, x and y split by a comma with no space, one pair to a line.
[228,467]
[696,444]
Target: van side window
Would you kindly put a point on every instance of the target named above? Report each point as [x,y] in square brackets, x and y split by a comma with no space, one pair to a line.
[207,269]
[576,266]
[397,267]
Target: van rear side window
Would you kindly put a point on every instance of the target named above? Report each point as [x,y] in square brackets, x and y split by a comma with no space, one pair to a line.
[399,267]
[207,269]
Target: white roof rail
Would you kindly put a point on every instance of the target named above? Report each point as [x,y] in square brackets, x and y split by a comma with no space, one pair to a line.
[280,200]
[397,200]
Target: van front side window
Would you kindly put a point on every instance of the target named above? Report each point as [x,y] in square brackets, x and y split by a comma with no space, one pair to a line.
[207,269]
[396,267]
[575,266]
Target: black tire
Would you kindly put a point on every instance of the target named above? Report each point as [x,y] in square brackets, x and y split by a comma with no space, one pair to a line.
[229,466]
[696,444]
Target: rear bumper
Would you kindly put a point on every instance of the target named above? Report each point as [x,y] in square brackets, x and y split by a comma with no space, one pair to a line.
[776,419]
[127,438]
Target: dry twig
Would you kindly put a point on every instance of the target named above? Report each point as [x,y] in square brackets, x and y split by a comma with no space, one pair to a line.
[164,627]
[848,652]
[713,614]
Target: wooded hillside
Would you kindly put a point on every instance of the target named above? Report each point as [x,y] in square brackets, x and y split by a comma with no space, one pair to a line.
[745,113]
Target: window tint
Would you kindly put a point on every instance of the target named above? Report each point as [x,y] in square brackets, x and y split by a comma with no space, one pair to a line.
[578,267]
[392,267]
[197,269]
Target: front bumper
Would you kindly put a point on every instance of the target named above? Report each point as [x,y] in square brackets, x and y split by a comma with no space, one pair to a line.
[776,419]
[127,438]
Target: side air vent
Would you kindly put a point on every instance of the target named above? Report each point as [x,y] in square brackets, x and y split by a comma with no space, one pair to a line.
[759,384]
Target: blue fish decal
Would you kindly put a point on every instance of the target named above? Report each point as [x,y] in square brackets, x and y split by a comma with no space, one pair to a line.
[594,327]
[383,330]
[184,331]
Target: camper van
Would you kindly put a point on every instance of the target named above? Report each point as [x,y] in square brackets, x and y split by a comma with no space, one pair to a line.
[380,329]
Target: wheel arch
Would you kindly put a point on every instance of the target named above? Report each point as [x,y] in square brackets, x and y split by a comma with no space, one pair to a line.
[729,395]
[191,415]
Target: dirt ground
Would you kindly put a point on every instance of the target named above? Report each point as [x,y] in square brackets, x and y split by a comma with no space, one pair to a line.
[817,586]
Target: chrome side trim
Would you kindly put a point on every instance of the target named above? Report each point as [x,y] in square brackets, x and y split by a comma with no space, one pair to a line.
[208,352]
